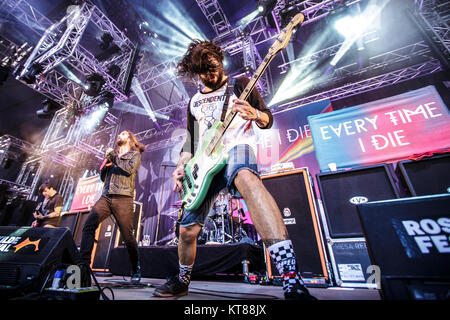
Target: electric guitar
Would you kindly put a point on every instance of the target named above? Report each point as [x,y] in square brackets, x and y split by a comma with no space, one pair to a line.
[40,209]
[210,158]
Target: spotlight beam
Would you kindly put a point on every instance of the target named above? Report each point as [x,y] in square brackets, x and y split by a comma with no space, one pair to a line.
[137,89]
[369,15]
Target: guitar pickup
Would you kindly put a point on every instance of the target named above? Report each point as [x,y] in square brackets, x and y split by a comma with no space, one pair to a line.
[188,181]
[194,171]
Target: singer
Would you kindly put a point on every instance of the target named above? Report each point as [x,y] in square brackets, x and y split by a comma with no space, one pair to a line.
[118,172]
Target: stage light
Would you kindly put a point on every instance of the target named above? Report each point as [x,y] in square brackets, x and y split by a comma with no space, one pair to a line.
[94,84]
[266,6]
[287,14]
[353,27]
[49,109]
[107,39]
[176,29]
[6,163]
[106,100]
[109,48]
[113,70]
[90,122]
[348,26]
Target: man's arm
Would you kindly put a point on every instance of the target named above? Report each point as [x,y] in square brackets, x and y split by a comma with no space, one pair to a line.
[187,152]
[56,213]
[254,108]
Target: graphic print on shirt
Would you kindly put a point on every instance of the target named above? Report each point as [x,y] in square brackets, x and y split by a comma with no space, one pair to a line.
[209,109]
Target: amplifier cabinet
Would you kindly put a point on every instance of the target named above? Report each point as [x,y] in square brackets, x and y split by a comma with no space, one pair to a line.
[293,193]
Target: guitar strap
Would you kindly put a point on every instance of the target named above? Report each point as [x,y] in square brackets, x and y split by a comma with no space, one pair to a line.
[228,94]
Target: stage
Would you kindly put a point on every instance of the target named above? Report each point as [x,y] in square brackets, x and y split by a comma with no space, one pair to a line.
[212,259]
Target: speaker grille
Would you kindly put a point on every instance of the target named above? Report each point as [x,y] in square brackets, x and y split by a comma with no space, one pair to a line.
[9,275]
[292,194]
[427,176]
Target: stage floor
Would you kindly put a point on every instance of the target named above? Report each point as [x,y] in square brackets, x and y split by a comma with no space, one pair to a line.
[225,290]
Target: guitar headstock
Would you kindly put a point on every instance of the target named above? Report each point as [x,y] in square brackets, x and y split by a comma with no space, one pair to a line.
[285,34]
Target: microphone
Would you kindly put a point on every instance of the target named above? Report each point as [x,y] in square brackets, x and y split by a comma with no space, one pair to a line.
[107,153]
[103,164]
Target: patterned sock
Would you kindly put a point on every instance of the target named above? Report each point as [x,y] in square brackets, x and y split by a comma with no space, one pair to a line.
[185,273]
[283,255]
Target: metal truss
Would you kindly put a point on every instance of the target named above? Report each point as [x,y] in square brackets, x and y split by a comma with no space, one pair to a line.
[383,80]
[16,187]
[253,59]
[167,137]
[326,53]
[26,14]
[215,15]
[7,141]
[233,40]
[152,76]
[413,52]
[60,43]
[180,105]
[435,16]
[313,10]
[67,145]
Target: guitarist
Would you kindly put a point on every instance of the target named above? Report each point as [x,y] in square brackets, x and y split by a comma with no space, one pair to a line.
[48,212]
[204,61]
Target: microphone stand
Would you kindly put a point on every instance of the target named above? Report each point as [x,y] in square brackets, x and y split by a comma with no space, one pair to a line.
[164,165]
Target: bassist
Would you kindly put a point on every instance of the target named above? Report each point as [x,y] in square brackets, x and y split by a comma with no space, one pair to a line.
[203,61]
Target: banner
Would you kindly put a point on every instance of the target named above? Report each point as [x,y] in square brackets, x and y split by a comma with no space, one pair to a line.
[87,192]
[401,127]
[289,139]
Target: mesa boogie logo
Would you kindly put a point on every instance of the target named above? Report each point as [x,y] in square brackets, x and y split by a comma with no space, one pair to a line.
[358,200]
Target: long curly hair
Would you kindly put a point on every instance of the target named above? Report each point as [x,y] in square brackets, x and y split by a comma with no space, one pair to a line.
[197,59]
[134,143]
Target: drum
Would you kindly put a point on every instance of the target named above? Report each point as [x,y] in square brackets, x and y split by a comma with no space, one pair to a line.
[208,232]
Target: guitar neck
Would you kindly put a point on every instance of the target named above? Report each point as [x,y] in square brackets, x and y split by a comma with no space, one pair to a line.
[244,96]
[279,44]
[248,89]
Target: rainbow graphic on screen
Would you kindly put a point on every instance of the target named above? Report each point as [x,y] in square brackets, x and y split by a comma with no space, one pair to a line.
[289,139]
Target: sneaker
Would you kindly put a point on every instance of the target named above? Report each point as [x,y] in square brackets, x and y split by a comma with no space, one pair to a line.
[173,287]
[298,292]
[136,276]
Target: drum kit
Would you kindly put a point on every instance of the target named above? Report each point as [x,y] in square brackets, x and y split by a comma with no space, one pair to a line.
[220,225]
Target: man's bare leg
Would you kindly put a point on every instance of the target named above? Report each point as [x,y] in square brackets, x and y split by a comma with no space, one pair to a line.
[187,244]
[262,207]
[269,224]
